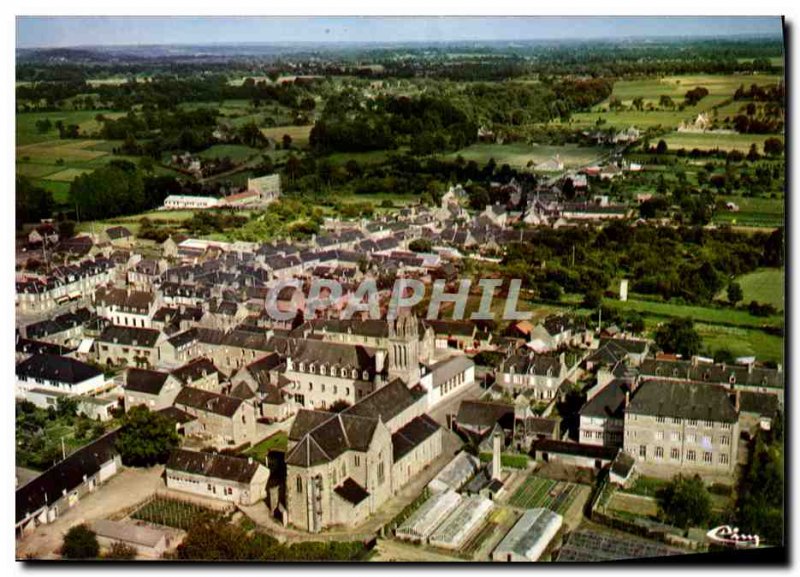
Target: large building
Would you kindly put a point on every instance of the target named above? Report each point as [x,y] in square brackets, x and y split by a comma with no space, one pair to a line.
[342,467]
[268,187]
[683,426]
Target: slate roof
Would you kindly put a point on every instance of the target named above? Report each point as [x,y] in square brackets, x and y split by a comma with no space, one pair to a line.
[385,403]
[207,401]
[577,449]
[763,404]
[351,491]
[412,434]
[56,368]
[177,415]
[608,403]
[131,336]
[65,475]
[713,373]
[448,368]
[213,465]
[117,232]
[484,414]
[195,369]
[684,400]
[145,381]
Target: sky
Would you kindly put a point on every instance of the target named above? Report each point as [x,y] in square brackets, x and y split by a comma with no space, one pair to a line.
[63,31]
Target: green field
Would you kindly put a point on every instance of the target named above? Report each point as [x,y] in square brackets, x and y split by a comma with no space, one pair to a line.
[720,87]
[236,152]
[753,211]
[299,134]
[710,141]
[519,155]
[742,342]
[763,285]
[719,316]
[27,132]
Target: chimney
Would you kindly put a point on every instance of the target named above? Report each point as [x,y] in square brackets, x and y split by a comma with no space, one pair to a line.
[736,400]
[497,441]
[380,361]
[627,398]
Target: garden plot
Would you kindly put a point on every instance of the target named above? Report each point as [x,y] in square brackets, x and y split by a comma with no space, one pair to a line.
[534,492]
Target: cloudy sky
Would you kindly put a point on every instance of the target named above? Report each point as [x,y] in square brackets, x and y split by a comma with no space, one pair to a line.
[121,30]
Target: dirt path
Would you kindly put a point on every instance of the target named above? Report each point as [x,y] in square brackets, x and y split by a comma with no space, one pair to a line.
[125,489]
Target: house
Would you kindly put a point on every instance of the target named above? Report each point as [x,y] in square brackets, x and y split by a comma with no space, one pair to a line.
[557,331]
[200,373]
[538,376]
[682,426]
[128,345]
[53,375]
[226,478]
[125,307]
[154,389]
[61,487]
[119,236]
[222,420]
[43,233]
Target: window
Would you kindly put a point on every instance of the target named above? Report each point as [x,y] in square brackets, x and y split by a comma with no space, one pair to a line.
[380,473]
[357,460]
[643,451]
[692,422]
[706,441]
[724,440]
[676,421]
[723,459]
[691,438]
[674,454]
[690,455]
[726,426]
[659,452]
[299,484]
[660,419]
[709,424]
[708,457]
[675,436]
[660,435]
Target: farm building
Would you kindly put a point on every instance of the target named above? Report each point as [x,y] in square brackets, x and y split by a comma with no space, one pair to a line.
[148,541]
[463,522]
[420,525]
[184,202]
[529,537]
[455,475]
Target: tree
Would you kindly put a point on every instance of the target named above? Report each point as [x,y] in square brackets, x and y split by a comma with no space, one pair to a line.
[685,502]
[773,146]
[80,542]
[592,299]
[735,293]
[66,229]
[678,336]
[120,552]
[287,141]
[146,438]
[420,245]
[338,406]
[661,147]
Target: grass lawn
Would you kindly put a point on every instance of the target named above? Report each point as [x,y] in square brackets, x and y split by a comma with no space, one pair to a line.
[764,285]
[299,134]
[259,451]
[67,175]
[646,486]
[742,342]
[710,141]
[236,152]
[519,154]
[720,316]
[753,211]
[720,87]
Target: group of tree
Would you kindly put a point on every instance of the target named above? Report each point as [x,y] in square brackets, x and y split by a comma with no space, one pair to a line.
[146,438]
[761,492]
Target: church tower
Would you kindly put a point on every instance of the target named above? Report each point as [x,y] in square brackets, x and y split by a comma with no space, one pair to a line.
[404,349]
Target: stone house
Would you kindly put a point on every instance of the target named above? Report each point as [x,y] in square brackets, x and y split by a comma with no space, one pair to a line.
[154,389]
[222,420]
[128,345]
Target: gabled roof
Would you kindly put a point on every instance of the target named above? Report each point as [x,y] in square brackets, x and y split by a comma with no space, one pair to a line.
[145,381]
[608,403]
[484,414]
[412,434]
[131,336]
[196,369]
[57,369]
[213,465]
[209,402]
[49,487]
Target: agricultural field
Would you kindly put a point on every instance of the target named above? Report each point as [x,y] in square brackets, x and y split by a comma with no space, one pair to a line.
[721,141]
[753,211]
[27,132]
[299,134]
[236,152]
[520,155]
[540,492]
[720,87]
[169,512]
[764,286]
